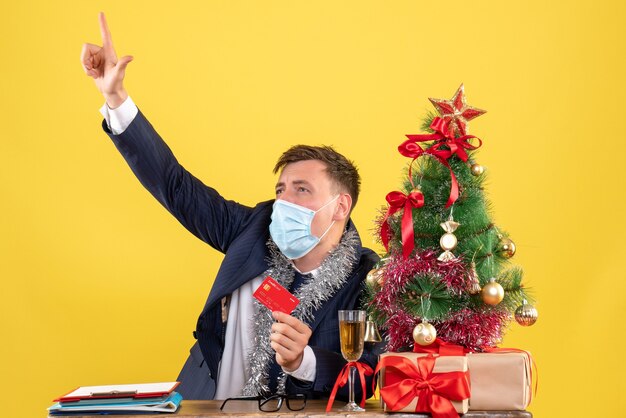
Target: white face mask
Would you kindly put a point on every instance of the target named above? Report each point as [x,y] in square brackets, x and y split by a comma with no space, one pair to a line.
[291,228]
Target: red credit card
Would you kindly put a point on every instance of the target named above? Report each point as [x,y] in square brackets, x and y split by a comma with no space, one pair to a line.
[275,297]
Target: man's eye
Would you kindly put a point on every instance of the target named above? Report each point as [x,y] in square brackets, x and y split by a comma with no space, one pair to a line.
[302,189]
[278,191]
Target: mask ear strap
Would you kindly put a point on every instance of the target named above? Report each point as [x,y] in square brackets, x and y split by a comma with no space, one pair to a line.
[328,229]
[333,222]
[328,203]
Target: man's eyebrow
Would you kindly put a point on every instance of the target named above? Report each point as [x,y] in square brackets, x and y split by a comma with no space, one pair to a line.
[295,182]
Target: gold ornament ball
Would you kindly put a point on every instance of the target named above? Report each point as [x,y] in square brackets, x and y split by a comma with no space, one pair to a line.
[492,293]
[477,169]
[448,241]
[424,334]
[374,277]
[507,247]
[526,315]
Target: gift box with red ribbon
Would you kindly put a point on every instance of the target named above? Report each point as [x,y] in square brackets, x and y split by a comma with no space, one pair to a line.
[501,378]
[417,382]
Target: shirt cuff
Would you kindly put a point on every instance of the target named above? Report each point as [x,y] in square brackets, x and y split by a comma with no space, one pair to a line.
[306,371]
[119,118]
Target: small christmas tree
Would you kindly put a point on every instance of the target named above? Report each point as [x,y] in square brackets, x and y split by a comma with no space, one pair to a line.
[447,269]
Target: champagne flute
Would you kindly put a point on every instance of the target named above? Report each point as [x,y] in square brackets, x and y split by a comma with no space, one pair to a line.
[351,335]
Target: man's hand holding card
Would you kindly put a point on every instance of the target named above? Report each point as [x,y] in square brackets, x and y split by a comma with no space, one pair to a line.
[290,336]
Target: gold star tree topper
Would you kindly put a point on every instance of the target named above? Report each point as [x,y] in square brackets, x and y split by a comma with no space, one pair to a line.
[456,112]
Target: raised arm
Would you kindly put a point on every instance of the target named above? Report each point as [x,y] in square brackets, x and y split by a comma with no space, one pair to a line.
[198,207]
[101,64]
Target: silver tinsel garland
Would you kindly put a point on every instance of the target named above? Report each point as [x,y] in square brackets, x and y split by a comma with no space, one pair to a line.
[330,277]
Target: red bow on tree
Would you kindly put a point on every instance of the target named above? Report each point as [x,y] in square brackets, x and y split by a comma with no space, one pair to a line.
[397,201]
[434,391]
[446,145]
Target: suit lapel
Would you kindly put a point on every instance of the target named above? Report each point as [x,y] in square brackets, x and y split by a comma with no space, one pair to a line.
[238,269]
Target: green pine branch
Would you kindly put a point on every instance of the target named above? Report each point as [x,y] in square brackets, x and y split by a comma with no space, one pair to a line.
[426,296]
[427,121]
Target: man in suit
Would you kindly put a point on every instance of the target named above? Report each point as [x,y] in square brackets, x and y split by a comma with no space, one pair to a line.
[304,239]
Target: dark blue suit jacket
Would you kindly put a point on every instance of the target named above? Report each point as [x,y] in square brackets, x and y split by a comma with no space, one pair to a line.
[241,233]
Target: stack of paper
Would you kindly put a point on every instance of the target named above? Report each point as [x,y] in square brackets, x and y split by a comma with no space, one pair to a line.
[119,399]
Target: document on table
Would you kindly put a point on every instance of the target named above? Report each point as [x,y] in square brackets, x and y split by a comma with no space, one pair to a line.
[142,390]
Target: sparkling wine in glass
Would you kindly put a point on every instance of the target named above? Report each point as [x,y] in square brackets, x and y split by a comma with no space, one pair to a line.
[351,335]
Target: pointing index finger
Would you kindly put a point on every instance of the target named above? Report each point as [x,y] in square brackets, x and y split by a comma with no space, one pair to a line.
[104,31]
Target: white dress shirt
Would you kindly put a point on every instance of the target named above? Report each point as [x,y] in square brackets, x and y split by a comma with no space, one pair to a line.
[233,369]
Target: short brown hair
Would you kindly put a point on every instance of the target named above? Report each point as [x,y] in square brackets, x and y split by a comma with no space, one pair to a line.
[340,170]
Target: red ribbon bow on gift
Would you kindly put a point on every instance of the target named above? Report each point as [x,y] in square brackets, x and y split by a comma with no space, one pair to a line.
[342,379]
[434,391]
[443,137]
[397,201]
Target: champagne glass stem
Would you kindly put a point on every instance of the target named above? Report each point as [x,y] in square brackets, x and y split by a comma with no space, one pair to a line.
[351,377]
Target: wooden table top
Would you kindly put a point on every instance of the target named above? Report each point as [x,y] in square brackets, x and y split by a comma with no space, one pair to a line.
[314,409]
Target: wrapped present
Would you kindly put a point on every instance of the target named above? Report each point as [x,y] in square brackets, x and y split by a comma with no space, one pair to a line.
[500,380]
[418,382]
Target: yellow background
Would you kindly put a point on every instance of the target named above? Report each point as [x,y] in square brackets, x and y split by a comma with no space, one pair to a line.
[101,285]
